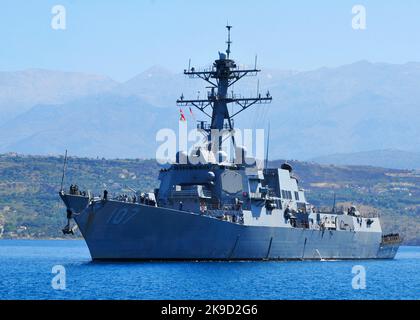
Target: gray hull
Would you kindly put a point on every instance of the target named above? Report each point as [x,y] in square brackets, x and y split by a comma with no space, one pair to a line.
[116,230]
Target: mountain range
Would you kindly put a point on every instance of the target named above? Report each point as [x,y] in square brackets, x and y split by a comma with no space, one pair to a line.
[349,109]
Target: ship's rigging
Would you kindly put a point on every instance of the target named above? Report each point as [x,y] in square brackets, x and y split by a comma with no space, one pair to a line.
[220,77]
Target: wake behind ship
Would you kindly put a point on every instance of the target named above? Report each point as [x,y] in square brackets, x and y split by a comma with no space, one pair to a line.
[210,208]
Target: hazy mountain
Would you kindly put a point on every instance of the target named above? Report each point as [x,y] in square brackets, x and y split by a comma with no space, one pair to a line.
[380,158]
[21,90]
[106,126]
[352,108]
[362,106]
[157,86]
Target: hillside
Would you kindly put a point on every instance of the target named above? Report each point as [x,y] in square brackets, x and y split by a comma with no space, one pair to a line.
[30,206]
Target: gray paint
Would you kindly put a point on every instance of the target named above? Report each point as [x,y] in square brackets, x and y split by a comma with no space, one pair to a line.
[221,210]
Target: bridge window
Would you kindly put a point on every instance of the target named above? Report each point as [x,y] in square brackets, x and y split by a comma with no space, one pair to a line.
[286,194]
[297,196]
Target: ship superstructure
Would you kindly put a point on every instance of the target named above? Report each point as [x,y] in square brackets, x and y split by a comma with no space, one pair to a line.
[209,207]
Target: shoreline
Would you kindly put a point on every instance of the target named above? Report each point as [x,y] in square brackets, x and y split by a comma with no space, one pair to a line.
[82,239]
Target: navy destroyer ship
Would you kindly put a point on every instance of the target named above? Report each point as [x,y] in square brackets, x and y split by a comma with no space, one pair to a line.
[219,209]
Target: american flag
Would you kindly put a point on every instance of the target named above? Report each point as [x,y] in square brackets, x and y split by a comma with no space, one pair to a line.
[181,117]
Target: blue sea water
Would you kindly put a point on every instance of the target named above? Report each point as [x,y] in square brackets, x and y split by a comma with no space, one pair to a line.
[26,273]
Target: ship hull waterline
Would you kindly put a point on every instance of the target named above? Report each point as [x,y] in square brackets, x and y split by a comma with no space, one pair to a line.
[115,230]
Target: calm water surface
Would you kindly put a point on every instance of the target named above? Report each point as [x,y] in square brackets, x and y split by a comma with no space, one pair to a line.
[26,265]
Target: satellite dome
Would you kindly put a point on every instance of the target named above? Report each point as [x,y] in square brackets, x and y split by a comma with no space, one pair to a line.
[286,166]
[211,176]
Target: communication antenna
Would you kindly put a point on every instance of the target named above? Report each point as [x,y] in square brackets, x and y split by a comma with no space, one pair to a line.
[228,27]
[258,87]
[64,170]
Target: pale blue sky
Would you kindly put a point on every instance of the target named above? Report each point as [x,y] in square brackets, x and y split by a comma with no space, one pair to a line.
[122,38]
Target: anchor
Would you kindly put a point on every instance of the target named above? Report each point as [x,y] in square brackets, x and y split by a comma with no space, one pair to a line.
[68,229]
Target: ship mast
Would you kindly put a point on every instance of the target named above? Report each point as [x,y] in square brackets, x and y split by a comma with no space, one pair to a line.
[223,74]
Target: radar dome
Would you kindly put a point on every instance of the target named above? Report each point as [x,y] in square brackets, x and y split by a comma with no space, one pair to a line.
[286,166]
